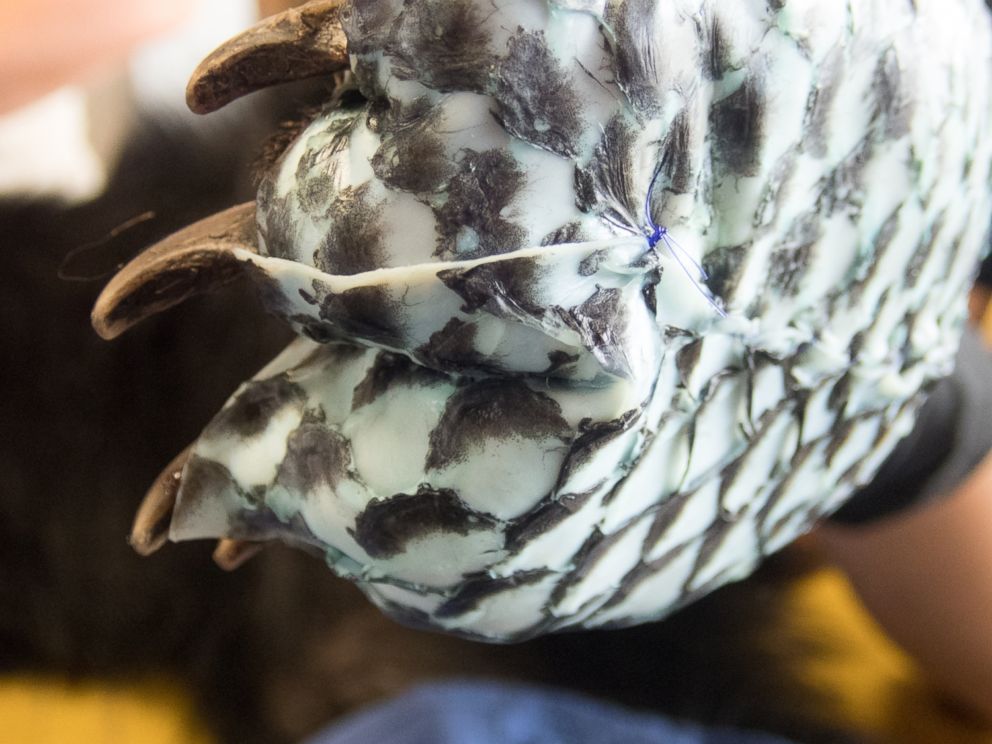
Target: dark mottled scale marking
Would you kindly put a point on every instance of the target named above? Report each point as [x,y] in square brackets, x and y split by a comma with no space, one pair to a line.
[315,456]
[674,334]
[598,321]
[776,190]
[636,576]
[315,330]
[480,588]
[687,358]
[606,185]
[389,115]
[559,360]
[367,24]
[485,185]
[849,476]
[311,297]
[725,267]
[492,410]
[754,363]
[279,231]
[316,173]
[543,519]
[261,523]
[713,538]
[892,106]
[367,313]
[649,291]
[412,156]
[204,480]
[390,370]
[592,545]
[249,413]
[594,550]
[665,517]
[797,391]
[843,188]
[730,473]
[788,267]
[443,44]
[924,250]
[771,532]
[817,121]
[717,61]
[883,240]
[356,241]
[568,233]
[676,156]
[500,287]
[737,124]
[535,97]
[802,454]
[584,185]
[840,394]
[594,437]
[910,356]
[789,264]
[387,526]
[591,263]
[635,58]
[843,431]
[452,348]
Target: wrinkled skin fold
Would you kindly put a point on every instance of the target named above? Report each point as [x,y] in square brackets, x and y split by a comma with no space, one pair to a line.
[517,405]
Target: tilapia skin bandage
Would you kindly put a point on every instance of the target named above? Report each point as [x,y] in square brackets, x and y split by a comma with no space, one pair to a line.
[599,301]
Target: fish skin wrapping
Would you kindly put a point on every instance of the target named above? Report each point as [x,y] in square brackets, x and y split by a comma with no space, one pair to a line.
[513,409]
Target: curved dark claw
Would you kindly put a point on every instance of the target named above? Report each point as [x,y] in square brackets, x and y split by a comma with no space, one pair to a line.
[232,554]
[150,530]
[300,43]
[192,261]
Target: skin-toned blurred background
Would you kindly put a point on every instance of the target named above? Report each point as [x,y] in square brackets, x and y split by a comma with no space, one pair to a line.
[98,159]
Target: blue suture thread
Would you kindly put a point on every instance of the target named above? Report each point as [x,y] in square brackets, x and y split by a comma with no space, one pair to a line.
[656,233]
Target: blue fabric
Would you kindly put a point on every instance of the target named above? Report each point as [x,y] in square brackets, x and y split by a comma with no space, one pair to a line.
[470,712]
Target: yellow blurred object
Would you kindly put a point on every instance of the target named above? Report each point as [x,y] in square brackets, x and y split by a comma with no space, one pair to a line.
[39,710]
[872,685]
[987,323]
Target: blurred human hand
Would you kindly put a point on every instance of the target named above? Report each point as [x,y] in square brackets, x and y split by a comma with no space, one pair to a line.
[45,44]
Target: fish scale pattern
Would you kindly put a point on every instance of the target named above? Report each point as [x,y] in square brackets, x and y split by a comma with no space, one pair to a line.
[511,411]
